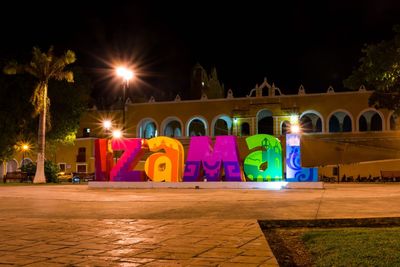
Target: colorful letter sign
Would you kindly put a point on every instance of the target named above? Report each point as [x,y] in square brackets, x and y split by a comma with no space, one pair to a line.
[205,161]
[101,164]
[166,166]
[202,153]
[122,171]
[294,171]
[264,164]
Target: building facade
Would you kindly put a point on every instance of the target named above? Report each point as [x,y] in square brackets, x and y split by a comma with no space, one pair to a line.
[340,118]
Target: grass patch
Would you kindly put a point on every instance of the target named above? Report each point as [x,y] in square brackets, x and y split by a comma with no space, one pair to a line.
[354,246]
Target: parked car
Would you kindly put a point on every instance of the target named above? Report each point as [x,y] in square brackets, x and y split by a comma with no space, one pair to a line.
[78,177]
[63,177]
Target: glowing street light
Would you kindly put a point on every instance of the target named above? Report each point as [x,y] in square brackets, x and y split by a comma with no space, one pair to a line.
[295,129]
[107,124]
[294,124]
[126,74]
[24,147]
[117,134]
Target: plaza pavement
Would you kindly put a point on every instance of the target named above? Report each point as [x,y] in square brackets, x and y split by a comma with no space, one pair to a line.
[75,226]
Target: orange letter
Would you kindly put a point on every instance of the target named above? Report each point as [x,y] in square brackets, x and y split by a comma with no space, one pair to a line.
[166,166]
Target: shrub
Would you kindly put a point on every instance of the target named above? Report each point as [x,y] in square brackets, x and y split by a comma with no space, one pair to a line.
[50,170]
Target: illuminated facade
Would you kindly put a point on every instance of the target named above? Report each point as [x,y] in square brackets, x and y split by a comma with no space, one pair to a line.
[339,117]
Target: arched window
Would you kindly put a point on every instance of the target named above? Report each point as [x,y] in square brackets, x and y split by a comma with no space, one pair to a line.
[221,125]
[245,129]
[311,122]
[370,120]
[346,127]
[376,122]
[265,122]
[196,127]
[147,128]
[362,124]
[318,126]
[285,127]
[340,121]
[12,165]
[334,125]
[306,124]
[26,161]
[221,128]
[173,129]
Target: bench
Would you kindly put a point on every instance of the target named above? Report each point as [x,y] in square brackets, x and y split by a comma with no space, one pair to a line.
[390,176]
[17,176]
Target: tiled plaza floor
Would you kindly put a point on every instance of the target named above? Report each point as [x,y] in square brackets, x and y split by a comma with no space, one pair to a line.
[127,242]
[76,226]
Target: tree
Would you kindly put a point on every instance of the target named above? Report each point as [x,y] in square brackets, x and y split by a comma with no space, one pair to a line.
[44,66]
[15,113]
[68,102]
[380,70]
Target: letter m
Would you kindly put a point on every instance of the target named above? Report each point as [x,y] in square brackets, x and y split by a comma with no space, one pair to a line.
[202,154]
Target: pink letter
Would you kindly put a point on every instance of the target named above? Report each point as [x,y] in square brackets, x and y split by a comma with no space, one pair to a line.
[122,171]
[202,153]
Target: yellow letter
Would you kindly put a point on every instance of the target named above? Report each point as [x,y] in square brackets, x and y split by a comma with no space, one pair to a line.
[166,166]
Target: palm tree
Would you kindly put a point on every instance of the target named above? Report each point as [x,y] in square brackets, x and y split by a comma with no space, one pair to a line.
[44,66]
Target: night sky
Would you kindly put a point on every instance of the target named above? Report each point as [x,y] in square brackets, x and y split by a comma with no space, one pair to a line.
[314,43]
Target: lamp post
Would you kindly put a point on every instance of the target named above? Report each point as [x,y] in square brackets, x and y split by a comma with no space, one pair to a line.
[126,75]
[107,125]
[117,134]
[25,147]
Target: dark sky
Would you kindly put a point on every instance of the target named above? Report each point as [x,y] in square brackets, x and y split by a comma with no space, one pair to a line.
[314,43]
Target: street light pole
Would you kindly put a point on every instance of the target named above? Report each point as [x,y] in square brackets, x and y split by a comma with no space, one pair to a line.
[126,75]
[25,147]
[125,85]
[107,125]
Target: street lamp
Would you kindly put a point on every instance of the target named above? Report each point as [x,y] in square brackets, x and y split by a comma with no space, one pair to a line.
[294,124]
[117,134]
[107,125]
[126,75]
[24,147]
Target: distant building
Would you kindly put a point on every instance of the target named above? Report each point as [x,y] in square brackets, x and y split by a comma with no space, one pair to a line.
[203,84]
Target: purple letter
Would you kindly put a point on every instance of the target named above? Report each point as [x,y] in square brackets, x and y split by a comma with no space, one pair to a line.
[122,171]
[201,152]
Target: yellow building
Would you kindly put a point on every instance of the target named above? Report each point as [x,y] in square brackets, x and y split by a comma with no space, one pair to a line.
[339,118]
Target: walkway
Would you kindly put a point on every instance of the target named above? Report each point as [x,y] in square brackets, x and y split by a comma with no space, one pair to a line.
[74,226]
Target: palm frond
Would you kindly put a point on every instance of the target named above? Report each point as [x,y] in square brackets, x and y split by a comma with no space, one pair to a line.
[10,68]
[64,75]
[13,68]
[70,57]
[60,63]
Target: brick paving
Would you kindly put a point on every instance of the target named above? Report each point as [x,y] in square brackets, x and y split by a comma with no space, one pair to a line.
[74,226]
[129,242]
